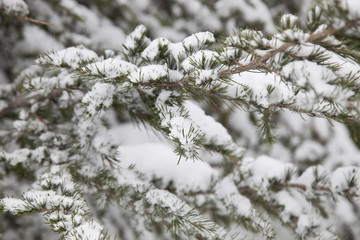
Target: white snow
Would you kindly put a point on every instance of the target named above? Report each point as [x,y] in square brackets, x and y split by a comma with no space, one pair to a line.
[18,156]
[63,79]
[13,205]
[17,7]
[149,73]
[57,157]
[179,210]
[304,224]
[111,67]
[151,51]
[100,96]
[344,210]
[198,40]
[177,50]
[296,35]
[256,85]
[318,78]
[159,161]
[353,6]
[251,10]
[342,151]
[72,57]
[89,230]
[32,35]
[129,133]
[89,20]
[291,205]
[214,131]
[264,169]
[322,128]
[306,72]
[39,199]
[228,192]
[190,45]
[246,38]
[246,129]
[166,199]
[184,131]
[108,36]
[313,175]
[24,156]
[175,75]
[201,59]
[288,20]
[342,177]
[229,54]
[3,104]
[130,41]
[310,150]
[201,75]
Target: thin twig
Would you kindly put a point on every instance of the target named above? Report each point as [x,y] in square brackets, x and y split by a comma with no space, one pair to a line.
[33,20]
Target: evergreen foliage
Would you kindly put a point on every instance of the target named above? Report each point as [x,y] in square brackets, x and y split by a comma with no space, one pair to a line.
[176,132]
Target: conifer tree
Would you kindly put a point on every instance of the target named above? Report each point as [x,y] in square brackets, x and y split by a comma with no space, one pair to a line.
[185,128]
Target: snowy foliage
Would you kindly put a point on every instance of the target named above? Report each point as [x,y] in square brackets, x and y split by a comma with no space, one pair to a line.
[173,132]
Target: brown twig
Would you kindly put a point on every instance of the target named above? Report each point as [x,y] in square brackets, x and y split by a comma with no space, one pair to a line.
[33,20]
